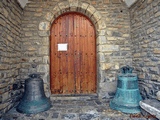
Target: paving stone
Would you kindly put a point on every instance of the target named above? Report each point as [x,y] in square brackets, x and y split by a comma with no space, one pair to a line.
[55,115]
[98,102]
[86,116]
[69,116]
[74,110]
[45,114]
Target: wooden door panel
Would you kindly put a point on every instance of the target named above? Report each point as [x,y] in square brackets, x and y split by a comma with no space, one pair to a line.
[73,71]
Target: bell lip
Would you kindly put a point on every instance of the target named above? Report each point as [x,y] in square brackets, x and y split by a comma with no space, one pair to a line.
[34,111]
[23,107]
[129,110]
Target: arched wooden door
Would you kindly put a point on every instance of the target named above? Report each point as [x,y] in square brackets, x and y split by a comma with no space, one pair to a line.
[73,55]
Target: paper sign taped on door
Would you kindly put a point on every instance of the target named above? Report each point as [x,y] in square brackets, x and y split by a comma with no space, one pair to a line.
[62,47]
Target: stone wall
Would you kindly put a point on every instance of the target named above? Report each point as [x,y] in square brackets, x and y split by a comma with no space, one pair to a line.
[10,53]
[145,35]
[112,24]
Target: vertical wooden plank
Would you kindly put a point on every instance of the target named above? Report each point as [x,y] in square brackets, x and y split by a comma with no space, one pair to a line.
[71,84]
[65,34]
[63,57]
[88,57]
[82,35]
[92,56]
[81,45]
[76,55]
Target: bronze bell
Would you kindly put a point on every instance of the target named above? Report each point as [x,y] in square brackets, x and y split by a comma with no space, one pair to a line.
[34,99]
[127,96]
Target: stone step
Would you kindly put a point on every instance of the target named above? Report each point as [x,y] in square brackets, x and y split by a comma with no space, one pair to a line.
[69,97]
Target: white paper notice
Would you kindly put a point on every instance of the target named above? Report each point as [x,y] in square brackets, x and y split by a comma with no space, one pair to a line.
[62,46]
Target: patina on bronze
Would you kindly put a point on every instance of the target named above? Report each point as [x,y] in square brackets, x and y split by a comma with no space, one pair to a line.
[34,99]
[127,96]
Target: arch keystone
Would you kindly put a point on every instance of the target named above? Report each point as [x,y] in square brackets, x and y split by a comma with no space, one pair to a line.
[73,3]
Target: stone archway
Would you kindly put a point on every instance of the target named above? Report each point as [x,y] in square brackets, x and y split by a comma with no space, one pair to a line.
[81,7]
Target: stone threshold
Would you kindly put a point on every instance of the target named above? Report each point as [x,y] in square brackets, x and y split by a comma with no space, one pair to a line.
[73,97]
[152,106]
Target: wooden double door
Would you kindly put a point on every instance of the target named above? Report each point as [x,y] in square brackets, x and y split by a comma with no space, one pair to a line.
[73,55]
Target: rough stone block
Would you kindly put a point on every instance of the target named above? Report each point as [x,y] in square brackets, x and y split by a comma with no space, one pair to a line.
[4,66]
[106,1]
[5,96]
[55,10]
[116,1]
[101,39]
[109,33]
[43,50]
[108,48]
[30,48]
[38,14]
[156,51]
[102,32]
[35,59]
[44,68]
[3,85]
[5,12]
[2,22]
[44,26]
[46,60]
[111,38]
[49,16]
[150,30]
[106,66]
[116,66]
[43,33]
[149,1]
[126,35]
[31,70]
[25,65]
[101,57]
[157,14]
[4,105]
[28,34]
[136,54]
[101,25]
